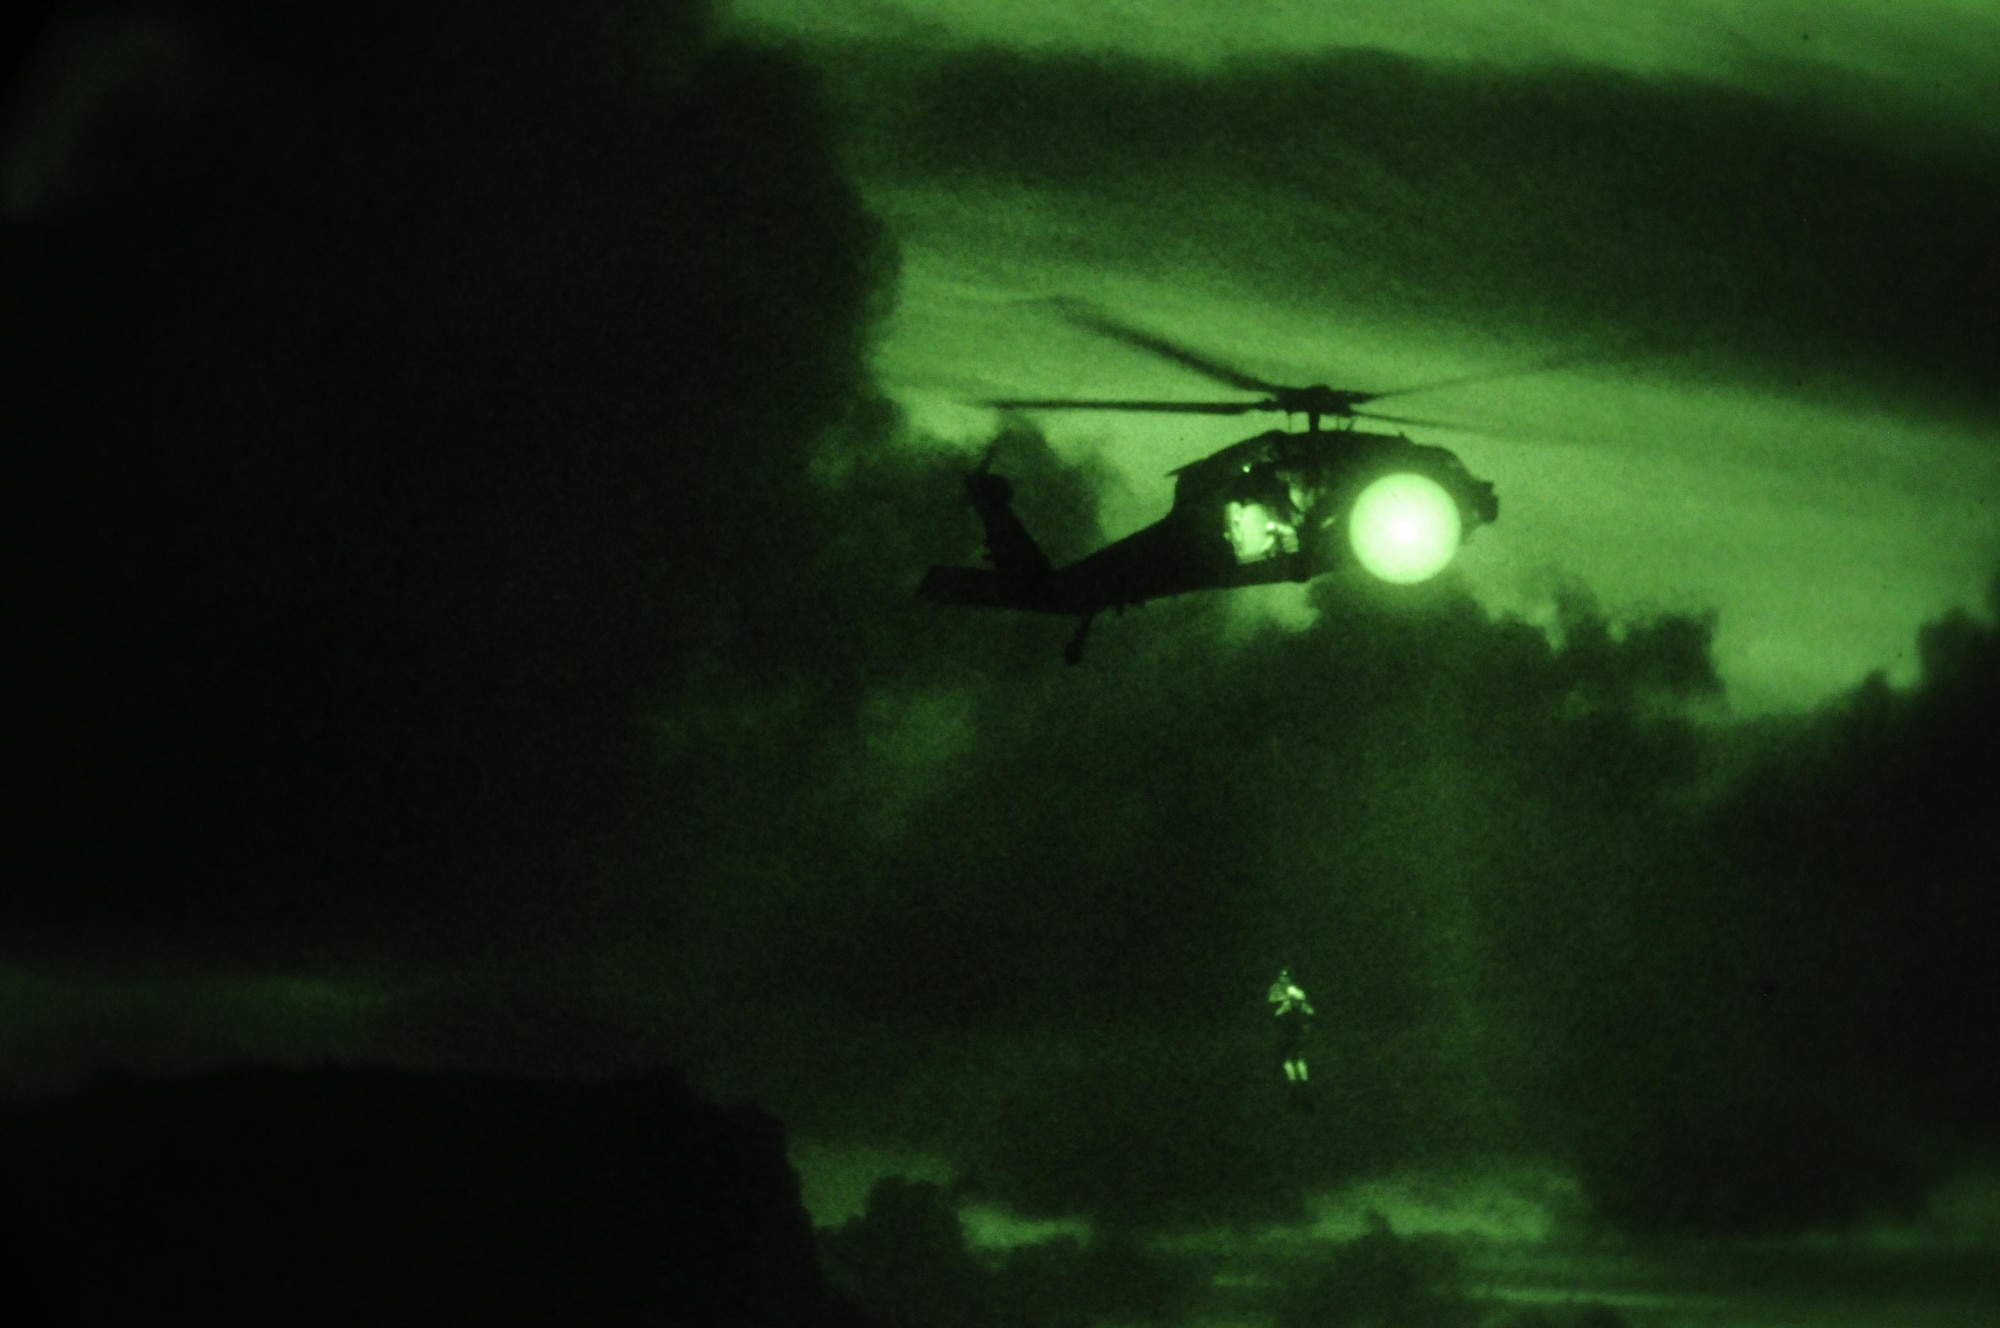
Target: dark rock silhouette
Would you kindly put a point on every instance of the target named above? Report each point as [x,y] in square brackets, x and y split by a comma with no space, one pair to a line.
[376,1195]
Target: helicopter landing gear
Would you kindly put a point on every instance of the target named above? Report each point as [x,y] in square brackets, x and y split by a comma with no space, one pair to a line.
[1073,652]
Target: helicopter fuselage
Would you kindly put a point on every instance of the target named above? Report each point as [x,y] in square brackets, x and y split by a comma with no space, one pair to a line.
[1270,508]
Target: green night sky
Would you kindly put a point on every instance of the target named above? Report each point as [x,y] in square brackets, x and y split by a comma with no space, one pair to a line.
[485,455]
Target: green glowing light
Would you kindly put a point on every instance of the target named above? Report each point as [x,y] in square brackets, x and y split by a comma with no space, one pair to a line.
[1404,528]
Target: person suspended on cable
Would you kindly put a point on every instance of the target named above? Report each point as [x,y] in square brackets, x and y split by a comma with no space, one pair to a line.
[1291,1009]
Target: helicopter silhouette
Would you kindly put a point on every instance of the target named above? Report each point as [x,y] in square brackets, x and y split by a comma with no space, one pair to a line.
[1273,507]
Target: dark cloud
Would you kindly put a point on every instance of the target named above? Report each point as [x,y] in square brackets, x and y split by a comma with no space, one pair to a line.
[906,1261]
[1813,980]
[1786,234]
[407,401]
[20,36]
[1384,1278]
[1588,1316]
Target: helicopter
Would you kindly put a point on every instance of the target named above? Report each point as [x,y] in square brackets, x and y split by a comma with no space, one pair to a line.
[1278,506]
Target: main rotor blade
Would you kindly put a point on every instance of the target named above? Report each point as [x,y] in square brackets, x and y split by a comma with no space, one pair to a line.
[1083,315]
[1420,422]
[1177,407]
[1524,371]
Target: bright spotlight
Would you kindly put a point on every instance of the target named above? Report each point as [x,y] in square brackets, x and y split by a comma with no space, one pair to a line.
[1404,528]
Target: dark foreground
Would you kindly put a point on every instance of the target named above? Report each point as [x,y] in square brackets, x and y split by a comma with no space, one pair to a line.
[351,1195]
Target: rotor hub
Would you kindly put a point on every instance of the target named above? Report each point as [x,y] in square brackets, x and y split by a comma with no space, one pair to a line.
[1319,400]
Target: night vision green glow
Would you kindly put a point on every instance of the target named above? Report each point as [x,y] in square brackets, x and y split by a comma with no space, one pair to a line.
[1404,528]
